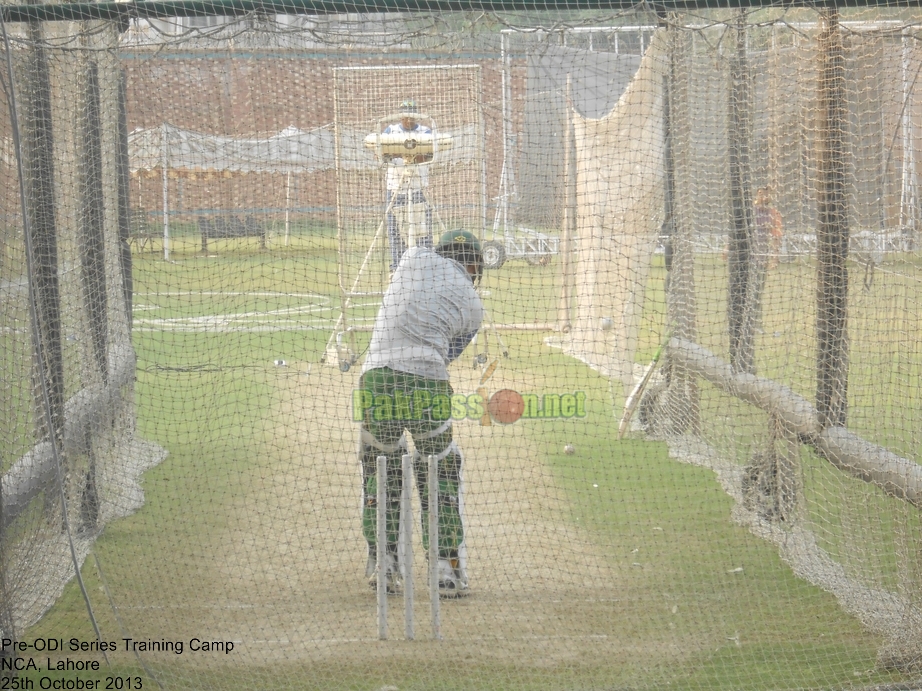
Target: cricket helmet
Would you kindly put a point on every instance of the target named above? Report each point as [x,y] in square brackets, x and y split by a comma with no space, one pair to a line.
[462,246]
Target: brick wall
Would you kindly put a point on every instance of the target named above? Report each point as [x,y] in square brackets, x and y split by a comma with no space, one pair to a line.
[259,93]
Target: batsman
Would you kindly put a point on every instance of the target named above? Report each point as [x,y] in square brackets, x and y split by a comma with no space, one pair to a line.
[429,314]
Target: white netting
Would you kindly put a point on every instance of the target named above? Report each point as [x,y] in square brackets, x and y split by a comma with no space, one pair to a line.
[620,212]
[213,209]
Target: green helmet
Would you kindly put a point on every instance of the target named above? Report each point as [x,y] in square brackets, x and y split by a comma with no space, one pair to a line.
[462,246]
[463,239]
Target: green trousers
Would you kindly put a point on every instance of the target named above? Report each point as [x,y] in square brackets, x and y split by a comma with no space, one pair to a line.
[409,403]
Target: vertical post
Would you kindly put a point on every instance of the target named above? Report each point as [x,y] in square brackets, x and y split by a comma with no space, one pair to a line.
[406,540]
[36,194]
[569,214]
[832,230]
[681,402]
[341,255]
[123,172]
[505,101]
[669,211]
[433,480]
[287,207]
[165,164]
[92,224]
[42,248]
[908,197]
[381,545]
[739,255]
[484,197]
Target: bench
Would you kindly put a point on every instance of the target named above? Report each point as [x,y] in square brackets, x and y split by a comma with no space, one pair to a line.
[231,226]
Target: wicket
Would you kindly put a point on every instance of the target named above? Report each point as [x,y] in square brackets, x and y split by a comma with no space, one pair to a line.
[405,546]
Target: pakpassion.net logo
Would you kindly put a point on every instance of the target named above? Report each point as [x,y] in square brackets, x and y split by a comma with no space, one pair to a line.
[505,406]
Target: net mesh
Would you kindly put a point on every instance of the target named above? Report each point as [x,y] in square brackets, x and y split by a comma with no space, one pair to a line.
[700,238]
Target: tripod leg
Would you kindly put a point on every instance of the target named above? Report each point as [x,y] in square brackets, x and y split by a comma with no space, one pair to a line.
[347,301]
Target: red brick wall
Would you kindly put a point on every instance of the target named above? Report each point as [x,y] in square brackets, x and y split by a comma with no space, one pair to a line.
[257,94]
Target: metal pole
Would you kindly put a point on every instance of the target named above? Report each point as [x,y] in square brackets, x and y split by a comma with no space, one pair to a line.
[287,208]
[484,199]
[503,184]
[165,9]
[381,546]
[569,213]
[164,163]
[908,212]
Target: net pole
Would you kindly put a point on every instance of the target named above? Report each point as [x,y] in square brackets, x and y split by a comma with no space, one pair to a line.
[740,256]
[287,208]
[342,321]
[42,258]
[569,213]
[92,261]
[681,395]
[92,223]
[164,164]
[669,224]
[832,230]
[484,196]
[506,76]
[123,169]
[908,198]
[35,167]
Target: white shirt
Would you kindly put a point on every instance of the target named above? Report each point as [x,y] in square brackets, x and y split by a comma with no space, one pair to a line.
[399,176]
[430,301]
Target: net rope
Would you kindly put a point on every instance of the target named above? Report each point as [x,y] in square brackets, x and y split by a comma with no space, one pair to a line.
[688,425]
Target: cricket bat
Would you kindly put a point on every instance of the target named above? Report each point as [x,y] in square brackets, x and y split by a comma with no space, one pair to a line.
[634,397]
[485,419]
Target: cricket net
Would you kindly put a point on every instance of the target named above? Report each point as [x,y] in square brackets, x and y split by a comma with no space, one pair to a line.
[811,176]
[200,215]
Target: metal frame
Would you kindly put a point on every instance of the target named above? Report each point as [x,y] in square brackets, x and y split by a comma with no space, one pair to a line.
[163,9]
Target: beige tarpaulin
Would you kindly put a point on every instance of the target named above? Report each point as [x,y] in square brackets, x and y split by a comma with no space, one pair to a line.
[620,210]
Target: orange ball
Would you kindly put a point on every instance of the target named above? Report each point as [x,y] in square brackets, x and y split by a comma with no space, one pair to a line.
[506,406]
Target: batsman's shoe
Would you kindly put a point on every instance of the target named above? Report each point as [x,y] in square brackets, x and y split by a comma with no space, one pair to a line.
[452,582]
[392,574]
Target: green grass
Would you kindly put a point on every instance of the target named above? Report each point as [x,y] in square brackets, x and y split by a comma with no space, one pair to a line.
[212,399]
